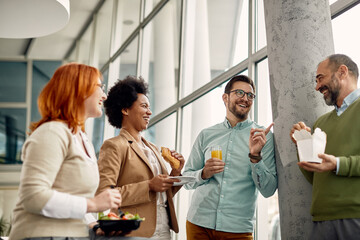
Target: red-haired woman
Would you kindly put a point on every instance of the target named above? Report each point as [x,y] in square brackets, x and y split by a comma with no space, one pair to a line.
[59,175]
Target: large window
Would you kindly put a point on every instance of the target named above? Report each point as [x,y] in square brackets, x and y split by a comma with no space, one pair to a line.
[150,5]
[41,74]
[13,81]
[12,134]
[103,34]
[160,56]
[268,224]
[18,103]
[346,37]
[216,39]
[127,19]
[202,113]
[12,110]
[84,46]
[163,134]
[127,61]
[260,33]
[99,123]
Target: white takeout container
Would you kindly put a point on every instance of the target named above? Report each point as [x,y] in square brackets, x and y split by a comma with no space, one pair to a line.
[309,146]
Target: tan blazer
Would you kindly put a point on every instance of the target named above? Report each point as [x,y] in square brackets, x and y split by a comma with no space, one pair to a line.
[124,164]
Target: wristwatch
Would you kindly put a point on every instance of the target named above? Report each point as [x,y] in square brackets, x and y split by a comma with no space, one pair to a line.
[96,227]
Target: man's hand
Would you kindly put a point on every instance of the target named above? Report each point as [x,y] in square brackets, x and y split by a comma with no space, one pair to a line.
[212,166]
[328,164]
[298,126]
[257,139]
[178,156]
[161,183]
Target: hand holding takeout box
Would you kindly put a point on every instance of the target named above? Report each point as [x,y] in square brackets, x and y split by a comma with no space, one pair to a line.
[309,146]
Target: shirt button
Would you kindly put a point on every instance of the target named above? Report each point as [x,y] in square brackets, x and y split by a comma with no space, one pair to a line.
[224,181]
[226,168]
[222,196]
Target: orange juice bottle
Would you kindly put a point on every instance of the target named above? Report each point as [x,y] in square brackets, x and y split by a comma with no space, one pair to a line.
[216,152]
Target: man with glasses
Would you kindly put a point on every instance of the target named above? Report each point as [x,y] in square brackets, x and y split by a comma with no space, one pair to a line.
[223,204]
[335,203]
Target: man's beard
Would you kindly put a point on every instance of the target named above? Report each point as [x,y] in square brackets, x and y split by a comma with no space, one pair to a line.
[240,115]
[333,91]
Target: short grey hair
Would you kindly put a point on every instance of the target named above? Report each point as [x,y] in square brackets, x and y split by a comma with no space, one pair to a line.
[336,60]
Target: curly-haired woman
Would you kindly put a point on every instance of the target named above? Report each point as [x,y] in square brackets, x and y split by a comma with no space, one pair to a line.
[134,165]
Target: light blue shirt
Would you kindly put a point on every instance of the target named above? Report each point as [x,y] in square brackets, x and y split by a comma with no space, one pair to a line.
[348,100]
[226,201]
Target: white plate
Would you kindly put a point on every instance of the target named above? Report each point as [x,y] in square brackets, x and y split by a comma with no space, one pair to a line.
[183,180]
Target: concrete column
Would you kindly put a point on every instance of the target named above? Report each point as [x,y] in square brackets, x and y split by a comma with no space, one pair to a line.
[299,36]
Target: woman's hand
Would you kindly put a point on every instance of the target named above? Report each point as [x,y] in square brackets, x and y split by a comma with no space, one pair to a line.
[98,230]
[110,198]
[117,233]
[178,156]
[161,183]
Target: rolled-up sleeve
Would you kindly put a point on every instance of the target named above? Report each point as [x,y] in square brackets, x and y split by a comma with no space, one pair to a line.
[264,172]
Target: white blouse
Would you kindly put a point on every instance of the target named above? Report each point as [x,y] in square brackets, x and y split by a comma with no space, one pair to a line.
[156,168]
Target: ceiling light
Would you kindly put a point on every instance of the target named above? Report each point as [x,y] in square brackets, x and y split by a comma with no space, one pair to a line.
[128,22]
[32,18]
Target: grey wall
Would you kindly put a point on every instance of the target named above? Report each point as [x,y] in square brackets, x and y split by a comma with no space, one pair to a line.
[299,36]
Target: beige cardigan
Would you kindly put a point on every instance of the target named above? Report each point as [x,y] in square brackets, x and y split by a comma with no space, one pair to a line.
[52,161]
[122,163]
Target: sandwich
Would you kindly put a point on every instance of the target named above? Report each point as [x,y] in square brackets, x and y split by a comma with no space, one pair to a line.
[166,154]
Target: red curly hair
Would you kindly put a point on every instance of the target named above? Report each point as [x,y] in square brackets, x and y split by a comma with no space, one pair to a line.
[62,99]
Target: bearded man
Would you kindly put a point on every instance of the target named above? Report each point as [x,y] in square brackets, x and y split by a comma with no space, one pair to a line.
[335,203]
[223,204]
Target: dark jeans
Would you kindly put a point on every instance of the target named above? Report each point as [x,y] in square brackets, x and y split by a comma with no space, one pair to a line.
[57,238]
[94,237]
[341,229]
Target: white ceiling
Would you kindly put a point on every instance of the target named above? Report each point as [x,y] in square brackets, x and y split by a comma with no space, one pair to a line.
[54,46]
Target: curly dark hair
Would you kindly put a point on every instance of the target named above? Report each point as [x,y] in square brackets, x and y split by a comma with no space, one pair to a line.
[122,95]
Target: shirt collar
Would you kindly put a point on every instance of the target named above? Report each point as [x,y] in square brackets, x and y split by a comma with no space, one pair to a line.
[239,125]
[349,99]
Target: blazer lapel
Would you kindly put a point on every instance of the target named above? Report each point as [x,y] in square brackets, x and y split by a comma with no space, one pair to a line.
[134,146]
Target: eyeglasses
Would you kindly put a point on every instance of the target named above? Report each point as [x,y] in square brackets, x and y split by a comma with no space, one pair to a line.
[102,86]
[241,93]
